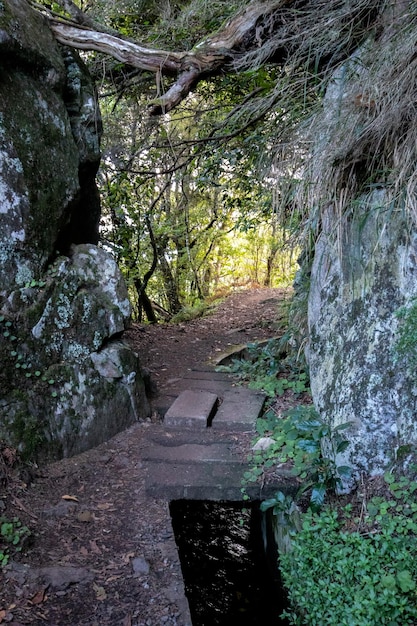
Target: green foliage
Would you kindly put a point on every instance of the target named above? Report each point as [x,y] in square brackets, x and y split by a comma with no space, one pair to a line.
[22,361]
[406,345]
[302,439]
[267,367]
[365,576]
[12,534]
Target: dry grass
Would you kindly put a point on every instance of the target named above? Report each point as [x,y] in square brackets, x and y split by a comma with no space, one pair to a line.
[346,127]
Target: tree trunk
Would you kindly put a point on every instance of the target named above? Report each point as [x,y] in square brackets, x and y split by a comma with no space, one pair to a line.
[174,304]
[144,304]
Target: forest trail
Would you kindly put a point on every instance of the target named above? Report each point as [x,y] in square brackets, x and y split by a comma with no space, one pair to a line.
[102,551]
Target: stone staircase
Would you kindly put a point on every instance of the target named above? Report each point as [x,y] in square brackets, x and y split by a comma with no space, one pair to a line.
[200,451]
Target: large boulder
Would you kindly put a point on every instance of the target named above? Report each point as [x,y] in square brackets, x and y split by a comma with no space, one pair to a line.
[68,382]
[365,255]
[359,282]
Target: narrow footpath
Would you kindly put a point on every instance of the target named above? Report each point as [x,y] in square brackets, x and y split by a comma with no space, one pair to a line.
[102,550]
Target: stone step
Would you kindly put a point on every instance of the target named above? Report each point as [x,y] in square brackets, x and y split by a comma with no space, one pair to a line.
[210,480]
[217,386]
[192,409]
[195,481]
[239,410]
[190,453]
[200,450]
[208,374]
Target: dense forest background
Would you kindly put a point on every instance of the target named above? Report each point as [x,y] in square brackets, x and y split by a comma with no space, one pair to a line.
[200,199]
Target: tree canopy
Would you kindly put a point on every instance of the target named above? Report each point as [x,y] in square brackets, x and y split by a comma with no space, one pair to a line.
[315,34]
[209,109]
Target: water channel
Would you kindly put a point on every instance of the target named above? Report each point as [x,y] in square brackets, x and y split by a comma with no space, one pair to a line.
[228,576]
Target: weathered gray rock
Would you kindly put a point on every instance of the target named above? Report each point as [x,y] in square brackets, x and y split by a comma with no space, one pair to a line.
[364,270]
[67,380]
[140,566]
[57,577]
[356,289]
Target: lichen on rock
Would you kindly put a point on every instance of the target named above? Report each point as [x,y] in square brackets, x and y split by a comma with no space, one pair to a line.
[358,284]
[63,302]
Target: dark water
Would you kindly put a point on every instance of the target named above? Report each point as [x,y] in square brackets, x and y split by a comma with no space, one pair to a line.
[227,575]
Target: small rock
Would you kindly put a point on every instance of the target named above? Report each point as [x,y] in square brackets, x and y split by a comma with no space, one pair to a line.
[85,516]
[57,577]
[263,443]
[60,577]
[61,509]
[140,566]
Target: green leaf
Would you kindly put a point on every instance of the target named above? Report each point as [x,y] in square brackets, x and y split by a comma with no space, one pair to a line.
[389,582]
[308,445]
[317,496]
[389,478]
[405,581]
[342,446]
[344,470]
[267,504]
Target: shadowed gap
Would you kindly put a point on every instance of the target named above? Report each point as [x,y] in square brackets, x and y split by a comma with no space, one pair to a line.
[228,577]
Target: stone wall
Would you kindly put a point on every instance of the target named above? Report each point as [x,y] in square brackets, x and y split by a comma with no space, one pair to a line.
[361,276]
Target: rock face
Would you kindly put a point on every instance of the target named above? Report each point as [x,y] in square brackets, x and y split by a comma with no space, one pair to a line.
[358,284]
[67,380]
[365,261]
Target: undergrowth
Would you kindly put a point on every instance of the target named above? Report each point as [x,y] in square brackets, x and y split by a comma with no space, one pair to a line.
[298,438]
[342,564]
[350,567]
[12,532]
[270,368]
[12,535]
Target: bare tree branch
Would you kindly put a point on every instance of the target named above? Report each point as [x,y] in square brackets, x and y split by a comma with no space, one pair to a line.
[269,30]
[212,55]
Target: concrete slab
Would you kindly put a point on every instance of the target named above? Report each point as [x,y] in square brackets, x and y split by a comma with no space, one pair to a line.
[192,409]
[199,384]
[190,453]
[239,410]
[210,481]
[158,435]
[195,481]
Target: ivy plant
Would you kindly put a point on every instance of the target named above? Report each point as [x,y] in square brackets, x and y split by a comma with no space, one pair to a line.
[12,534]
[269,368]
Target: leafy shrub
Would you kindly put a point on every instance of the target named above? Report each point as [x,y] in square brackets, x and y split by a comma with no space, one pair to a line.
[269,368]
[365,577]
[300,436]
[12,533]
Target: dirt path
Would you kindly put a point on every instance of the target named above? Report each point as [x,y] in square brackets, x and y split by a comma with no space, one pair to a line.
[243,317]
[102,553]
